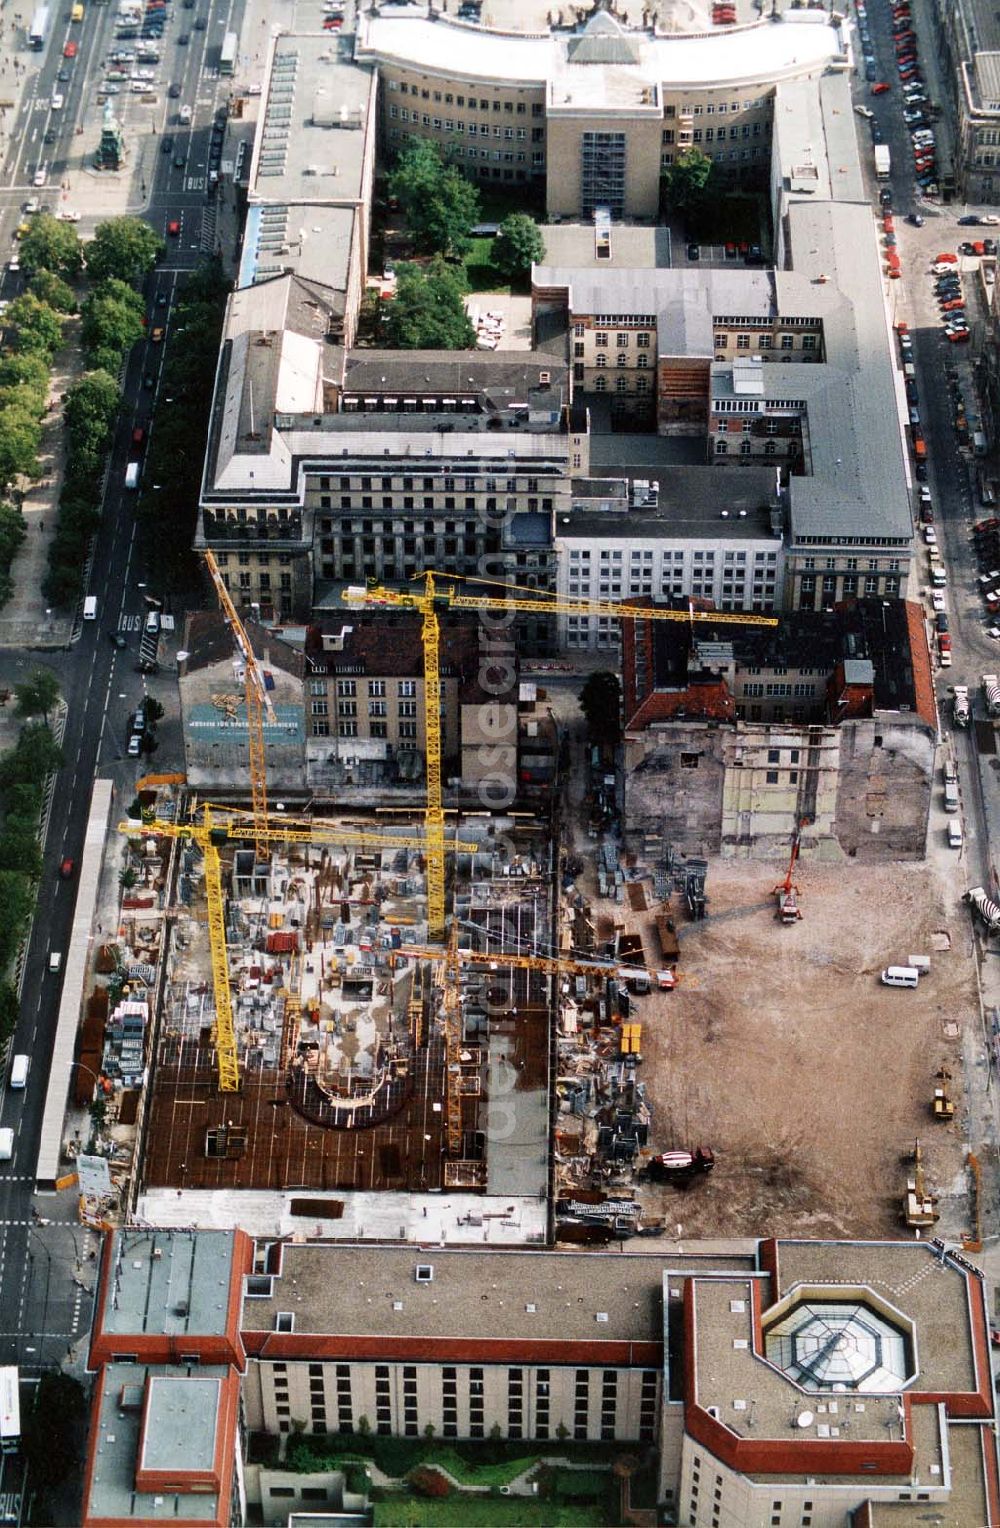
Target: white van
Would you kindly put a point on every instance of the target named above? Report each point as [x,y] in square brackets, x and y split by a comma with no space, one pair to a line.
[6,1144]
[900,976]
[951,797]
[955,839]
[90,608]
[57,102]
[55,962]
[19,1071]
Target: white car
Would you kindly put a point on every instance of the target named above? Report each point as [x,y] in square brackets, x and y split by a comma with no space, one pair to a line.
[862,111]
[930,535]
[40,177]
[68,216]
[994,632]
[938,601]
[925,494]
[945,267]
[58,102]
[14,263]
[991,219]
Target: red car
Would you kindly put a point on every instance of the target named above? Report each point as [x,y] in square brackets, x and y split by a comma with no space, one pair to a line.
[954,305]
[880,87]
[66,868]
[957,336]
[138,435]
[173,228]
[945,259]
[70,50]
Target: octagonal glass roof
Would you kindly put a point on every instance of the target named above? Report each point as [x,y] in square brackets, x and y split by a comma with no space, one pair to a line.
[840,1345]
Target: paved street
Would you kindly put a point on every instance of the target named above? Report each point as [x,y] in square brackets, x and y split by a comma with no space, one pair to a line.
[952,479]
[45,1267]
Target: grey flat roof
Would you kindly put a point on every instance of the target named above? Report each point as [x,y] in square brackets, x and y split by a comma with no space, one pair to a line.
[301,237]
[169,1281]
[354,1290]
[182,1417]
[116,1451]
[633,246]
[311,136]
[690,501]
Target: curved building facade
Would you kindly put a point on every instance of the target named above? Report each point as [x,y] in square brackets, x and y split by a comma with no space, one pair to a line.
[609,105]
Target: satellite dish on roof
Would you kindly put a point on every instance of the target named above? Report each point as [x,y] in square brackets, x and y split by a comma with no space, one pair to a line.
[804,1419]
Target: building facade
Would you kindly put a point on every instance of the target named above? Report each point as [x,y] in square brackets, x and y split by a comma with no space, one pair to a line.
[826,728]
[780,1385]
[611,104]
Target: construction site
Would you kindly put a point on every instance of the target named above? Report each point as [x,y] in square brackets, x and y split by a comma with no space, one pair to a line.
[507,1027]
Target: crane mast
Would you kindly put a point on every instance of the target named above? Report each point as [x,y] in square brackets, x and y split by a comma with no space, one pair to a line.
[426,603]
[257,702]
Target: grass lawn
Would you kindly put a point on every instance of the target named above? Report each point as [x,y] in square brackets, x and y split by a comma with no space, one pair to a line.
[485,1512]
[480,273]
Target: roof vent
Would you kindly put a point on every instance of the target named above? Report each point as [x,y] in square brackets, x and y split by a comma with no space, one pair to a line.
[284,1321]
[423,1273]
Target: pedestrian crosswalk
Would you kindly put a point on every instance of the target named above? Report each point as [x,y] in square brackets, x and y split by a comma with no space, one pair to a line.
[209,220]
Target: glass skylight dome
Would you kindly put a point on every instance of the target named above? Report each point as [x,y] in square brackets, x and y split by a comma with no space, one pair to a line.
[838,1345]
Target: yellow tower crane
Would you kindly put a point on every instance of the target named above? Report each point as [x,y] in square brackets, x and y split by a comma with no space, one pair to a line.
[427,603]
[217,828]
[257,702]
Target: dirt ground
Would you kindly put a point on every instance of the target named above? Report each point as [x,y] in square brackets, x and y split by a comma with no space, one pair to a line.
[783,1051]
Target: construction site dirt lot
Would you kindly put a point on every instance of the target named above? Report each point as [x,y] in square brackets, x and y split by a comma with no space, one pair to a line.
[782,1050]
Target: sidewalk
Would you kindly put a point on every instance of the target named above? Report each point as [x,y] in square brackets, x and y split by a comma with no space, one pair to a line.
[26,621]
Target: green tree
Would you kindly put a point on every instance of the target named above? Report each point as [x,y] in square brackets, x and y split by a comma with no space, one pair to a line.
[33,757]
[53,290]
[90,409]
[9,1007]
[36,327]
[50,245]
[19,848]
[518,246]
[111,323]
[686,183]
[28,371]
[16,903]
[38,694]
[440,204]
[427,312]
[123,247]
[20,434]
[154,711]
[600,701]
[12,534]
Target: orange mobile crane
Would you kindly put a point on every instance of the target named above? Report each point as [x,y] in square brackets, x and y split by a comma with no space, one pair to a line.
[786,892]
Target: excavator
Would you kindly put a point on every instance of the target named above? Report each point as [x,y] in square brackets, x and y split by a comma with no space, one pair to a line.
[786,892]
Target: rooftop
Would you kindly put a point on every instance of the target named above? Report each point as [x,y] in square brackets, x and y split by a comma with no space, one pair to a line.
[674,501]
[885,634]
[493,1295]
[312,139]
[190,1427]
[181,1425]
[761,51]
[633,247]
[168,1282]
